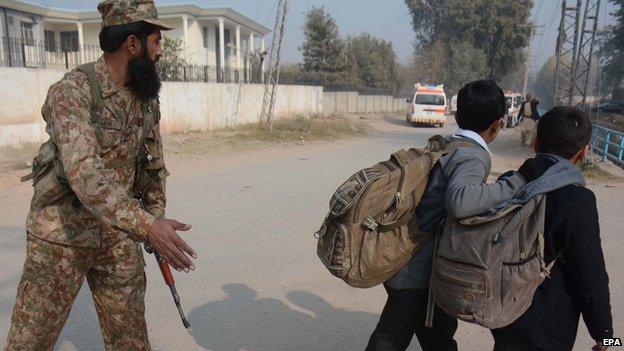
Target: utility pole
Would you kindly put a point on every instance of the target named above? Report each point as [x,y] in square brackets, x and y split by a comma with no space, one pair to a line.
[567,42]
[581,77]
[529,61]
[272,79]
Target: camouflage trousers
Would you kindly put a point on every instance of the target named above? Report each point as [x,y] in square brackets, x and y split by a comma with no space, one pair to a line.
[51,279]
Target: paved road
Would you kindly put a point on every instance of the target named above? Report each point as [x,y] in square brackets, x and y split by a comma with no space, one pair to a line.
[258,284]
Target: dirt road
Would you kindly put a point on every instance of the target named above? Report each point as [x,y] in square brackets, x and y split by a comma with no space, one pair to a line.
[259,285]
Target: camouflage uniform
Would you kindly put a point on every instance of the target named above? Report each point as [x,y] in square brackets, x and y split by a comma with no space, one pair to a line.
[92,225]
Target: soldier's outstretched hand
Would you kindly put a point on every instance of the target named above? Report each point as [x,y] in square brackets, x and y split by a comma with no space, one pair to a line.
[165,240]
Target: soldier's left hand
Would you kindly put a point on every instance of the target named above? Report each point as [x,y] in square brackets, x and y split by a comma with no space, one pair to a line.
[164,239]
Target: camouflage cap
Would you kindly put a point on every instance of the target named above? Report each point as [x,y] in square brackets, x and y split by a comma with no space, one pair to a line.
[116,12]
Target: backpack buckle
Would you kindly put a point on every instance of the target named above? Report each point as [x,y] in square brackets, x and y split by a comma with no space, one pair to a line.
[398,200]
[370,223]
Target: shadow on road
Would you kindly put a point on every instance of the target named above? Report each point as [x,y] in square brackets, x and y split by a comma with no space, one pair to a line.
[241,320]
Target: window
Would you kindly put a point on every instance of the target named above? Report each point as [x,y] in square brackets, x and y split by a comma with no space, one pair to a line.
[27,34]
[69,41]
[428,99]
[10,20]
[50,41]
[228,45]
[205,36]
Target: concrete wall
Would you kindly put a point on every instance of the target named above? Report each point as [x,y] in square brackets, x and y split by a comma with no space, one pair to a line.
[184,106]
[353,102]
[204,106]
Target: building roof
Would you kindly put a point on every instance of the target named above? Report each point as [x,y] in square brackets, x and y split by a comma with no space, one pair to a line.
[167,10]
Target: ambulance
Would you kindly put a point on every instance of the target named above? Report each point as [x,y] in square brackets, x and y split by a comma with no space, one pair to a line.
[428,105]
[513,101]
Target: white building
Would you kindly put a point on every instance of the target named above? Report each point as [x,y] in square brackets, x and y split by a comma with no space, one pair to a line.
[39,36]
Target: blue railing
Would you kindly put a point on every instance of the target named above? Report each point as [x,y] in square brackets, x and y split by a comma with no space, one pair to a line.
[608,143]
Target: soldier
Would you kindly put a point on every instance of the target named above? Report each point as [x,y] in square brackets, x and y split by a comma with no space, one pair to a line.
[104,153]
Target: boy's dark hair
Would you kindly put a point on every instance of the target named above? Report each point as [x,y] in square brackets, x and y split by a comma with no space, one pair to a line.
[563,131]
[112,37]
[479,104]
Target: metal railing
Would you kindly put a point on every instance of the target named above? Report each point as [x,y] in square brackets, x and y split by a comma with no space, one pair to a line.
[608,143]
[19,52]
[30,53]
[204,73]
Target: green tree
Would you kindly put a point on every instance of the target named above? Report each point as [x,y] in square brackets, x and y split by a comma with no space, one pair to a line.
[544,84]
[452,66]
[465,63]
[374,61]
[514,81]
[613,48]
[500,28]
[171,64]
[322,49]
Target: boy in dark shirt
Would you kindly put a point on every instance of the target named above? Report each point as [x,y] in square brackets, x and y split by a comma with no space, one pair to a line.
[578,283]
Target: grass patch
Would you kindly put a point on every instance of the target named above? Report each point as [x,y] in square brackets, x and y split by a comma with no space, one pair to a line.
[249,136]
[592,170]
[285,131]
[293,129]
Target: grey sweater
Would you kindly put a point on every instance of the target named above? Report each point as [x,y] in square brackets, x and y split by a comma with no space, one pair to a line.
[457,188]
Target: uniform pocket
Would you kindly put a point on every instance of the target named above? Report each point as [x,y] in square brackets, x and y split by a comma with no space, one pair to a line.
[109,135]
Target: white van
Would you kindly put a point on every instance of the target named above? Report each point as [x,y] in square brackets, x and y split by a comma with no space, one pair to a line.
[513,101]
[428,105]
[453,104]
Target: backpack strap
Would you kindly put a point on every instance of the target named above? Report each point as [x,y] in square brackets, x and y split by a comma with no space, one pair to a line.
[96,93]
[430,302]
[543,266]
[96,97]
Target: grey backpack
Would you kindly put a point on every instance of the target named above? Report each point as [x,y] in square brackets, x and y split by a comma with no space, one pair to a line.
[487,268]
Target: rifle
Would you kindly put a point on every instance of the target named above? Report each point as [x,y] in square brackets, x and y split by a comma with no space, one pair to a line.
[166,273]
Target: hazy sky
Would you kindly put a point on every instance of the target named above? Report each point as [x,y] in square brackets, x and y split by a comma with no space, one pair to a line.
[386,19]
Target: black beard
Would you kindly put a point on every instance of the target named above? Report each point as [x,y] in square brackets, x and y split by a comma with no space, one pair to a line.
[144,79]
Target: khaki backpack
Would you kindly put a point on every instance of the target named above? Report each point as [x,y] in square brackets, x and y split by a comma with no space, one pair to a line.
[371,230]
[487,268]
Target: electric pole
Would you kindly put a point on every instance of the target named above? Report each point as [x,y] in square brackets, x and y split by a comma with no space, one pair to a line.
[566,51]
[272,77]
[581,76]
[529,61]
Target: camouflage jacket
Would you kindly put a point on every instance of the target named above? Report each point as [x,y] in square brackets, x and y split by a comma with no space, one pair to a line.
[97,147]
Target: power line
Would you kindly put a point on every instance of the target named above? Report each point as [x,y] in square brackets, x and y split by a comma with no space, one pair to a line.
[343,6]
[392,24]
[547,37]
[270,13]
[260,9]
[539,6]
